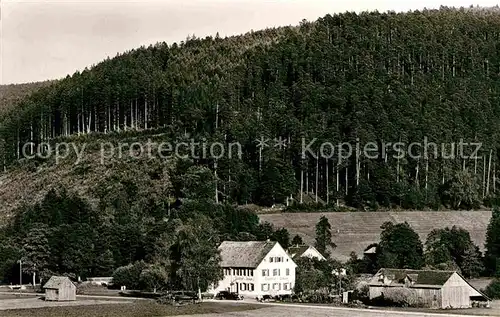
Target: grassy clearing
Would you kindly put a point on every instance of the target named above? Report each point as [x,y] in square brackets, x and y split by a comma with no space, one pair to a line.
[354,231]
[135,309]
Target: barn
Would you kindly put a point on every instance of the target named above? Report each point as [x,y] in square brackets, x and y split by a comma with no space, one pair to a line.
[427,288]
[60,288]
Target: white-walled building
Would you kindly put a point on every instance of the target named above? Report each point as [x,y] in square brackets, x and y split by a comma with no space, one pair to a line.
[305,251]
[256,268]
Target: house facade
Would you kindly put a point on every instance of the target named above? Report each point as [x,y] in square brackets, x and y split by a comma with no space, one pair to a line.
[305,251]
[428,288]
[255,269]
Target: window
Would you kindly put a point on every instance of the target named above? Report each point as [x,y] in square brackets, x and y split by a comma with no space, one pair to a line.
[251,272]
[245,272]
[285,286]
[279,259]
[276,286]
[265,287]
[287,272]
[243,287]
[435,298]
[251,288]
[276,272]
[271,259]
[265,272]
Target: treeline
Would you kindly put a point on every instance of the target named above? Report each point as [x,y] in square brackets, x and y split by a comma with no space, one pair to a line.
[371,76]
[11,95]
[444,249]
[64,234]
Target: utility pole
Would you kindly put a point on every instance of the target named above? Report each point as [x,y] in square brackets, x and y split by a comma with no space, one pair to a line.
[20,276]
[34,279]
[199,289]
[340,283]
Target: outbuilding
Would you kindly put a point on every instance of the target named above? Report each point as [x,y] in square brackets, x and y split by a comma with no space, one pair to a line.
[60,288]
[427,288]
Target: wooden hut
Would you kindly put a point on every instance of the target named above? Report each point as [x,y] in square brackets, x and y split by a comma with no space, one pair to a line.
[427,288]
[60,288]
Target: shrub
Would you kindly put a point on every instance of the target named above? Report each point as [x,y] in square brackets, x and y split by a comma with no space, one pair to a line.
[398,297]
[362,293]
[493,289]
[129,275]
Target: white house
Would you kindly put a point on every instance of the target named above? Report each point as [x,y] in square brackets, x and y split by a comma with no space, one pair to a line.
[256,268]
[305,251]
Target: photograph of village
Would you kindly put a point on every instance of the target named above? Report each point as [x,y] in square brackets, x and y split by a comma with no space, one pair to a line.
[249,158]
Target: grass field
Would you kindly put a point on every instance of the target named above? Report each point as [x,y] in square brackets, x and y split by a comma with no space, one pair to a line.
[354,231]
[130,309]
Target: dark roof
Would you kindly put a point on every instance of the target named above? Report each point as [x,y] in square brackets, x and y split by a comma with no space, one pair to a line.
[297,251]
[247,254]
[420,277]
[55,282]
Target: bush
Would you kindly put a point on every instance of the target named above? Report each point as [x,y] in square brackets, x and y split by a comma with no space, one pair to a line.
[318,298]
[493,289]
[362,293]
[398,297]
[129,275]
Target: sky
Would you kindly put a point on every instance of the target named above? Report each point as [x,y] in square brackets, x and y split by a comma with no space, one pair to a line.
[48,39]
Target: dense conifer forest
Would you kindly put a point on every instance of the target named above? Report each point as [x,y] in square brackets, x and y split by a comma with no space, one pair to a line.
[371,77]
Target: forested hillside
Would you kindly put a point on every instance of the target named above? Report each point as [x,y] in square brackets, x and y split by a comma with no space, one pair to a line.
[371,76]
[11,95]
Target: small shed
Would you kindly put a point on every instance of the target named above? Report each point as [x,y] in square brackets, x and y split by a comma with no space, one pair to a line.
[60,288]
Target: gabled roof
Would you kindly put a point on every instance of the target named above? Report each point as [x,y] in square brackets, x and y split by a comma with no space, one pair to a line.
[474,288]
[297,251]
[248,254]
[372,250]
[55,282]
[418,277]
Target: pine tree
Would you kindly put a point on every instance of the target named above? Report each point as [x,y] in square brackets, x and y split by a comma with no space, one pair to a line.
[297,240]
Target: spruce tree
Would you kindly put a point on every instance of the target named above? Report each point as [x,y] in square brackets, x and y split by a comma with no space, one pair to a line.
[492,255]
[324,237]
